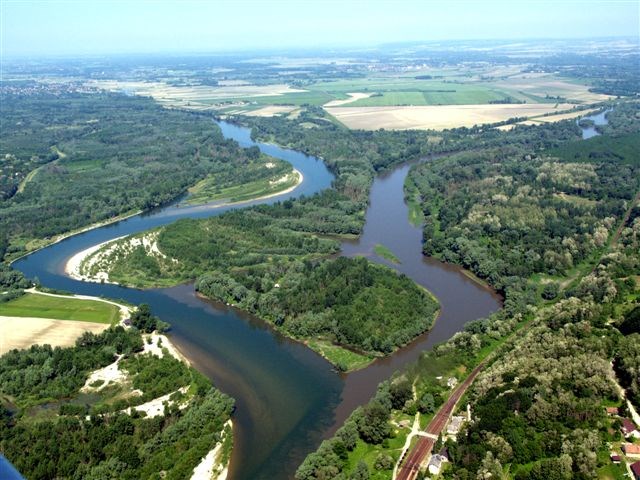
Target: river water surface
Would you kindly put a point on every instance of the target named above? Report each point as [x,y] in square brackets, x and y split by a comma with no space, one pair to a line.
[288,398]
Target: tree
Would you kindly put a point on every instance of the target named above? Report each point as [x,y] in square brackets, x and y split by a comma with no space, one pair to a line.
[550,291]
[144,321]
[400,392]
[631,322]
[374,425]
[361,472]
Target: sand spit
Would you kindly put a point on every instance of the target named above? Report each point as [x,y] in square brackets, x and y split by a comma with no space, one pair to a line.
[209,467]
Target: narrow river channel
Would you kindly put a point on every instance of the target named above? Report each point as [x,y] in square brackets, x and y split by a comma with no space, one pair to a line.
[288,398]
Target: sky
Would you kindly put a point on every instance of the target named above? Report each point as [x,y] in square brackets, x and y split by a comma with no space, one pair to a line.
[81,27]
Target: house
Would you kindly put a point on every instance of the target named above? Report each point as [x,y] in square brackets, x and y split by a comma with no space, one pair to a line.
[435,464]
[612,411]
[454,425]
[615,458]
[631,450]
[635,468]
[629,428]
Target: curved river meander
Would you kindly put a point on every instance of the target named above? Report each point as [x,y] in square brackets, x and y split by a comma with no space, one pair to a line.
[288,398]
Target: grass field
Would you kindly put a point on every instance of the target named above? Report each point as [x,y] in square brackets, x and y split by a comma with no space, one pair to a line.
[207,190]
[386,253]
[346,359]
[43,306]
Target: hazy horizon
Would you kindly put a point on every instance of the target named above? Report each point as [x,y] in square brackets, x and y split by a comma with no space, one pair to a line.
[112,27]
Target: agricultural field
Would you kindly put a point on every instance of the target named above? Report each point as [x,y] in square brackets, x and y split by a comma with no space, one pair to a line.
[481,93]
[45,306]
[438,117]
[58,321]
[22,332]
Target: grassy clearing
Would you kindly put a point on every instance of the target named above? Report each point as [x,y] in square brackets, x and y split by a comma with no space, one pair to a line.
[386,253]
[208,189]
[368,454]
[414,202]
[344,359]
[612,472]
[43,306]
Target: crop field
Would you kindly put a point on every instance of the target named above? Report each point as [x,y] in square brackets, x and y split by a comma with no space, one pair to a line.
[22,332]
[393,100]
[437,117]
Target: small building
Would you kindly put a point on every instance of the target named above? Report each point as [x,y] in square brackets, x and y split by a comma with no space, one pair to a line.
[631,450]
[455,424]
[615,458]
[635,469]
[452,382]
[612,411]
[629,428]
[435,464]
[126,322]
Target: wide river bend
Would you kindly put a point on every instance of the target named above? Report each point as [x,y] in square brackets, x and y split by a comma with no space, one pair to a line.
[288,398]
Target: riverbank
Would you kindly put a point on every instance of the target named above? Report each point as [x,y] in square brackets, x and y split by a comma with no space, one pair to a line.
[203,193]
[78,265]
[39,244]
[215,465]
[32,319]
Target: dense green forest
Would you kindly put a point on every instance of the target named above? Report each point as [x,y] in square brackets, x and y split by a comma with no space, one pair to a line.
[347,301]
[71,160]
[507,214]
[250,260]
[50,429]
[557,232]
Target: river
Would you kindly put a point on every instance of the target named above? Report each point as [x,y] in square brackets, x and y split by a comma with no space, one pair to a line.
[288,398]
[598,119]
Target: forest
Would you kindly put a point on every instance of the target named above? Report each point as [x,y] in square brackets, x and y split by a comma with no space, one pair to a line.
[557,232]
[75,159]
[350,302]
[249,259]
[50,429]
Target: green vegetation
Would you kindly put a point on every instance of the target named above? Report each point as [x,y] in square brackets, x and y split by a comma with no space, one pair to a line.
[348,301]
[48,429]
[413,201]
[272,177]
[386,253]
[45,306]
[121,154]
[510,214]
[538,406]
[12,282]
[344,359]
[434,93]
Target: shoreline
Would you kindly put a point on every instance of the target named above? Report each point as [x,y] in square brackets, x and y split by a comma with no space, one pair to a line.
[249,200]
[72,265]
[210,468]
[72,233]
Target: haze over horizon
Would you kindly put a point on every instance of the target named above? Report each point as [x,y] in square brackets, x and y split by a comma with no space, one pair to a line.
[47,28]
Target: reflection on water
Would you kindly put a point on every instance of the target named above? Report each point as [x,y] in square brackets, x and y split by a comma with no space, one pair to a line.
[598,119]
